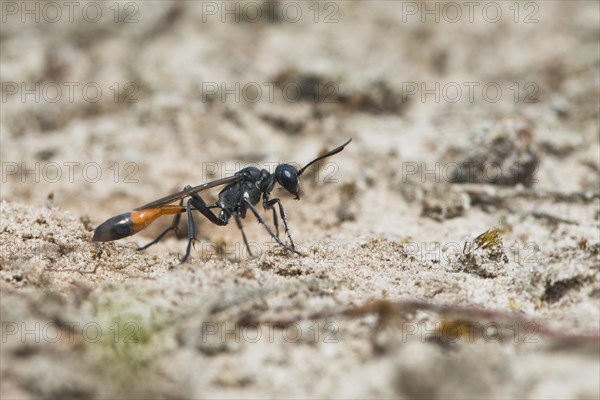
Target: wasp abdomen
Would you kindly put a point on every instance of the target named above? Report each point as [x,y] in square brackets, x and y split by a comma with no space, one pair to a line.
[114,228]
[130,223]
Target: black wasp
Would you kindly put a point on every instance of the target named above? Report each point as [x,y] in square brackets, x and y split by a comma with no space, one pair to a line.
[243,192]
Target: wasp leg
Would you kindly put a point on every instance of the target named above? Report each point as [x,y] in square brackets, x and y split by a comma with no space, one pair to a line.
[238,220]
[200,205]
[191,231]
[270,204]
[275,221]
[174,227]
[196,202]
[263,223]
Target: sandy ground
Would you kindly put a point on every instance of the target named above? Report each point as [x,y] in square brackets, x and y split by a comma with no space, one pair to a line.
[452,250]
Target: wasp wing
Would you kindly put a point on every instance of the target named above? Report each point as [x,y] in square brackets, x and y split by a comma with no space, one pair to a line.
[187,192]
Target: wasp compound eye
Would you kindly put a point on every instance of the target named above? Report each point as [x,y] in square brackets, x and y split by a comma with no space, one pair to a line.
[287,176]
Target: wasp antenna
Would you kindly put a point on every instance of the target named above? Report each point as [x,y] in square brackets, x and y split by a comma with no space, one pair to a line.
[329,153]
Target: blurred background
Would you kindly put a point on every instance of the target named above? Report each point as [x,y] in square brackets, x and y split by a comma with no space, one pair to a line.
[108,105]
